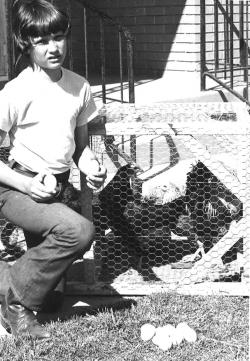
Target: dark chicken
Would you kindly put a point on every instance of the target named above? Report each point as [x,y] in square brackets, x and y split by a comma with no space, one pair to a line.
[210,206]
[203,215]
[138,223]
[114,199]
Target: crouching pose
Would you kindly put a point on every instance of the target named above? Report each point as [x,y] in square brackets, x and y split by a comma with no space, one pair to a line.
[45,111]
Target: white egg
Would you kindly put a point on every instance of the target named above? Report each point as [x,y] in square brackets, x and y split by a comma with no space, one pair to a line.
[165,331]
[182,325]
[177,337]
[188,333]
[88,166]
[163,337]
[147,332]
[94,167]
[156,340]
[164,343]
[50,182]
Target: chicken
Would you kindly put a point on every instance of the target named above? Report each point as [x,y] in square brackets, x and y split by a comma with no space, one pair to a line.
[114,199]
[210,206]
[143,227]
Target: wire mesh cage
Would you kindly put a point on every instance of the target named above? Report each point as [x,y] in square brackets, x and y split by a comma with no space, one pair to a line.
[173,211]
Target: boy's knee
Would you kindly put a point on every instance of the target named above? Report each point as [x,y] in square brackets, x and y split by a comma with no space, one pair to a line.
[78,234]
[84,234]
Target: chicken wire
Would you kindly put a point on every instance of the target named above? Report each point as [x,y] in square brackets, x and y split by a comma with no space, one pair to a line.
[173,210]
[160,216]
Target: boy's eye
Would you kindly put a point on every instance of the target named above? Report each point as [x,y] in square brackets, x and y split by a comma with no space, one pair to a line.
[40,42]
[59,37]
[43,42]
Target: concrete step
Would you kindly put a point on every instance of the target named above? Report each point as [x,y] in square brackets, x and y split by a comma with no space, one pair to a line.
[174,87]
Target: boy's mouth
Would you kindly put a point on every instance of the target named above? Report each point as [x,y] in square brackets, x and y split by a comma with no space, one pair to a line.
[55,58]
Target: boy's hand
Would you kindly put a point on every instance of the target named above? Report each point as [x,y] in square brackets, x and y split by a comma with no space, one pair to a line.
[95,175]
[38,189]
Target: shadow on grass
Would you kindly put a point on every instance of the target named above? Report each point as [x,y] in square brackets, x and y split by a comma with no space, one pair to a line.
[86,305]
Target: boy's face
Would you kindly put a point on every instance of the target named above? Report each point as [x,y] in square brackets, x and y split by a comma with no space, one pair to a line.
[48,52]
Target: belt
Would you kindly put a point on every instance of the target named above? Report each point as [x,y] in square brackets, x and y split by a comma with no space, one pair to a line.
[61,177]
[19,168]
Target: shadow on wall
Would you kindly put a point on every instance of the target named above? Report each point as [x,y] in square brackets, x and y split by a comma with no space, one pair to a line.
[153,24]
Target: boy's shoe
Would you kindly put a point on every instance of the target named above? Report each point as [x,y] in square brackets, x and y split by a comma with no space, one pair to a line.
[19,320]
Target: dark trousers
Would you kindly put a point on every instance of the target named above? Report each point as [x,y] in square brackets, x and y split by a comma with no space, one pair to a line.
[59,236]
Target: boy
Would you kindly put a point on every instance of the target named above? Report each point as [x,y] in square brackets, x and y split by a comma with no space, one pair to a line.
[45,111]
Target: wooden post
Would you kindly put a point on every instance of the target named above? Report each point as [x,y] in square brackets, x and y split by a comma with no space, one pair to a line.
[86,198]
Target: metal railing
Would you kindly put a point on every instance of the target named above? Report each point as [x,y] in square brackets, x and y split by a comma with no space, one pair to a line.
[225,45]
[124,36]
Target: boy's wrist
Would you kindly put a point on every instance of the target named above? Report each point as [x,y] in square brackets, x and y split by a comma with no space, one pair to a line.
[23,183]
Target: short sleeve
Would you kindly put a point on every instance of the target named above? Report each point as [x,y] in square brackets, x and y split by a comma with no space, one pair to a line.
[89,109]
[7,111]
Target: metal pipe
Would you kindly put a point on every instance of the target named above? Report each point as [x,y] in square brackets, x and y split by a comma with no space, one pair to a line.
[120,63]
[129,38]
[235,67]
[241,34]
[203,43]
[216,35]
[234,92]
[107,18]
[103,71]
[85,43]
[70,49]
[131,81]
[151,153]
[231,45]
[226,28]
[133,148]
[246,52]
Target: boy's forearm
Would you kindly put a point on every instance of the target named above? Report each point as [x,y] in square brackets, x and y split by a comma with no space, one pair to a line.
[12,178]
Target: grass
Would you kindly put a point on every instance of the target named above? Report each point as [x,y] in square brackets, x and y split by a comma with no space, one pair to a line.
[113,334]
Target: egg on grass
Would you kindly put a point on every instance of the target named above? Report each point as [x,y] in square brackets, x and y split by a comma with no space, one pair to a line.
[163,337]
[188,333]
[147,332]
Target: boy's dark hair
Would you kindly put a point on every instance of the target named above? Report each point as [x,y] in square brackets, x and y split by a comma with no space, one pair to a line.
[35,18]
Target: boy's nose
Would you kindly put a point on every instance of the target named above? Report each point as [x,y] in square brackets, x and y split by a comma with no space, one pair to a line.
[52,46]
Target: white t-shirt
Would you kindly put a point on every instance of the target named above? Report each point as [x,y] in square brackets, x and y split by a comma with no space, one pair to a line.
[40,117]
